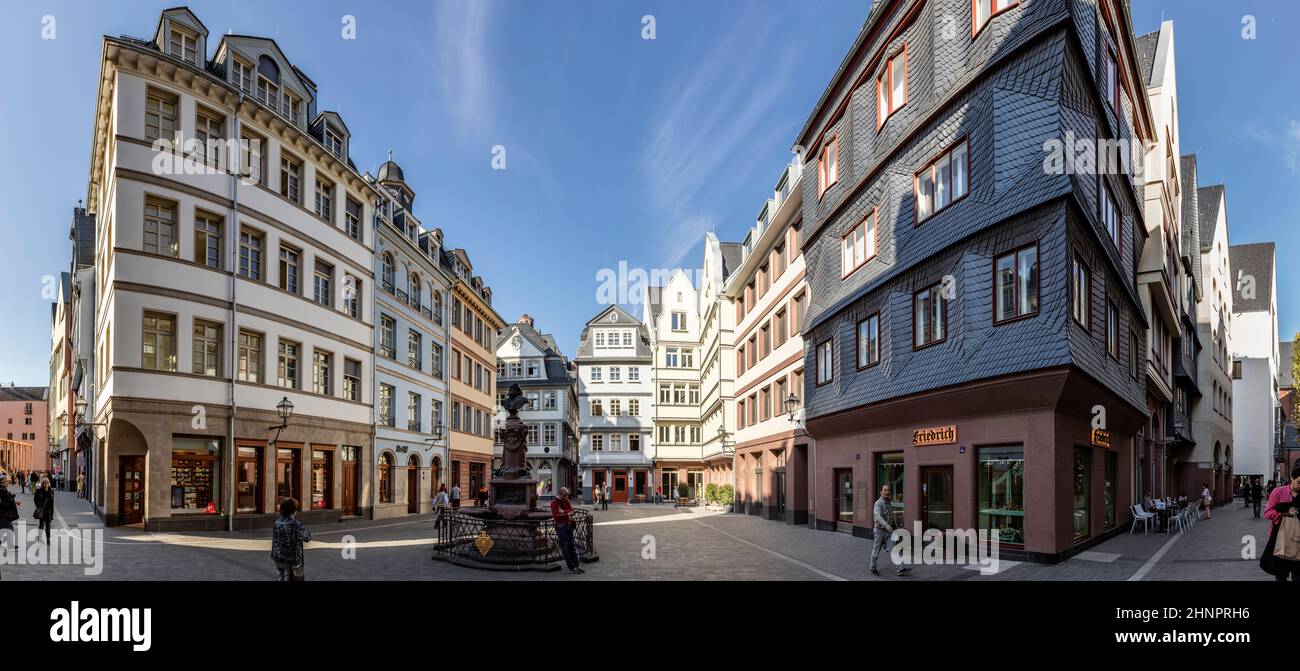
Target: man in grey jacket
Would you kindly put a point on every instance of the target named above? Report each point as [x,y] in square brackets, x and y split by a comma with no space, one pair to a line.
[883,535]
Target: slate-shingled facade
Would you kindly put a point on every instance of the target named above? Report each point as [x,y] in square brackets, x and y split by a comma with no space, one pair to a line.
[1020,396]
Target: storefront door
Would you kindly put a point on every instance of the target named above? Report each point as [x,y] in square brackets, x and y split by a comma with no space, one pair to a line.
[131,489]
[669,484]
[936,497]
[413,487]
[619,495]
[350,481]
[843,499]
[778,495]
[640,480]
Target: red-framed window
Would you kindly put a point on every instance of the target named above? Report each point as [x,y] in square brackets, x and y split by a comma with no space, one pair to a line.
[1080,293]
[943,181]
[983,10]
[828,166]
[1015,284]
[1110,216]
[869,341]
[825,362]
[858,245]
[891,86]
[929,316]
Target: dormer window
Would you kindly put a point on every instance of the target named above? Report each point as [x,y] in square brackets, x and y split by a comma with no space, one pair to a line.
[268,82]
[184,45]
[289,108]
[891,86]
[333,142]
[243,75]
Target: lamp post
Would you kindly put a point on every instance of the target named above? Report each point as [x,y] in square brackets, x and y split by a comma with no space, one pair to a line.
[792,407]
[435,440]
[285,410]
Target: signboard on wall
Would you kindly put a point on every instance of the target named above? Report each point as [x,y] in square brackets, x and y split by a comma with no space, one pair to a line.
[1100,438]
[935,435]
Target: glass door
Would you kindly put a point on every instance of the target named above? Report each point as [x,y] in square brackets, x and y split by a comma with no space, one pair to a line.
[936,497]
[843,499]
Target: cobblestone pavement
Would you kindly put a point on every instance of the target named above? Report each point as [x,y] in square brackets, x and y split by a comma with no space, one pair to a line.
[635,542]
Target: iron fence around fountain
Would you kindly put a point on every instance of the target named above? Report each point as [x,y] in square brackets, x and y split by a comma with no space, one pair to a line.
[488,542]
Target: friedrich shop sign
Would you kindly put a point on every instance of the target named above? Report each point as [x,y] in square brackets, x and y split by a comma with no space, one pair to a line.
[936,435]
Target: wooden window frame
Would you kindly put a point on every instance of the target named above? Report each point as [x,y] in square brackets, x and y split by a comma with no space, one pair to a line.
[829,343]
[937,286]
[824,182]
[874,218]
[1038,282]
[930,166]
[857,340]
[1075,263]
[976,26]
[885,87]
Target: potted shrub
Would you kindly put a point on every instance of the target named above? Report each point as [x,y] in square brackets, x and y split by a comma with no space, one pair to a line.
[683,494]
[726,497]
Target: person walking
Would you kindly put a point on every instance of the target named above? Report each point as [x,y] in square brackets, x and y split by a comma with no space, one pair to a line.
[1256,495]
[561,510]
[287,537]
[605,497]
[598,494]
[33,478]
[659,495]
[440,500]
[81,485]
[883,536]
[43,499]
[1207,499]
[455,496]
[1280,504]
[482,495]
[8,504]
[22,481]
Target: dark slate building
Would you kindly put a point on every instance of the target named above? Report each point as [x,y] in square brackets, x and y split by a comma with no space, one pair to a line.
[973,328]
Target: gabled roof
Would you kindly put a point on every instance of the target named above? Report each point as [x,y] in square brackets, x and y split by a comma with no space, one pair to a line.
[1146,54]
[624,317]
[23,393]
[1208,213]
[305,82]
[1255,260]
[733,254]
[615,316]
[186,10]
[1191,216]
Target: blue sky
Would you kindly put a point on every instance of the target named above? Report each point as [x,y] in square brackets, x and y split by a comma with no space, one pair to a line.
[617,148]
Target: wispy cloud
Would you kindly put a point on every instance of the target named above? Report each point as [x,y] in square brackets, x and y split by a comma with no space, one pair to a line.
[463,73]
[702,126]
[1291,146]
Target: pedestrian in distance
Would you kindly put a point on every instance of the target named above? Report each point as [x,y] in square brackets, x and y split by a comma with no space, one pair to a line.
[659,495]
[455,496]
[43,498]
[287,538]
[605,498]
[1256,496]
[440,500]
[81,485]
[22,481]
[883,536]
[8,504]
[1281,503]
[33,478]
[561,513]
[482,495]
[598,494]
[1207,498]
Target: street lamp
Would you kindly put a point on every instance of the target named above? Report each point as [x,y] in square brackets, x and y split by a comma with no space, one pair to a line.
[285,410]
[724,439]
[791,406]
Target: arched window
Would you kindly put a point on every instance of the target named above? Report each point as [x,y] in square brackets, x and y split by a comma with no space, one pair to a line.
[386,478]
[437,305]
[388,271]
[416,289]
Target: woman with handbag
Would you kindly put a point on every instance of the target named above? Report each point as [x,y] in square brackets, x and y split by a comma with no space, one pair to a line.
[44,500]
[287,538]
[1281,556]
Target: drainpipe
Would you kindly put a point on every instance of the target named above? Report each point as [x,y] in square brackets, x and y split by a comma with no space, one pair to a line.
[233,331]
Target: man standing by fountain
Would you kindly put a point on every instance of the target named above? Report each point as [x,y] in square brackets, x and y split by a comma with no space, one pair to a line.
[560,510]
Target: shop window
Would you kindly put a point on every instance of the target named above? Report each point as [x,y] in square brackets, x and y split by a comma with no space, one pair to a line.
[196,475]
[248,470]
[1112,471]
[1002,493]
[386,477]
[322,479]
[286,475]
[1082,486]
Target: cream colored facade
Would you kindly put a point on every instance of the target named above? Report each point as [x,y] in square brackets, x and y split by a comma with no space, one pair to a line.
[473,325]
[219,296]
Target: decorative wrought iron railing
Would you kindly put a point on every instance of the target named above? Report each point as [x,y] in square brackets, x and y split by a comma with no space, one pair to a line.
[475,540]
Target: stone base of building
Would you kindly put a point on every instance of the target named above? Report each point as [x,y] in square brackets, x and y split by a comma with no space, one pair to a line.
[1018,455]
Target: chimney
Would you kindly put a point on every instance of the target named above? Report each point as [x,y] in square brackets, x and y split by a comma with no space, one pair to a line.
[526,319]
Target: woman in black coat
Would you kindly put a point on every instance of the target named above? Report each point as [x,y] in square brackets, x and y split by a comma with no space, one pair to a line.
[44,500]
[8,504]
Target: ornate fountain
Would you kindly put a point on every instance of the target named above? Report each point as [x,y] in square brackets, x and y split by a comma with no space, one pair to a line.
[510,533]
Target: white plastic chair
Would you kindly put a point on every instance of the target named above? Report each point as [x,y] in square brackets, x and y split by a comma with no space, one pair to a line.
[1142,516]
